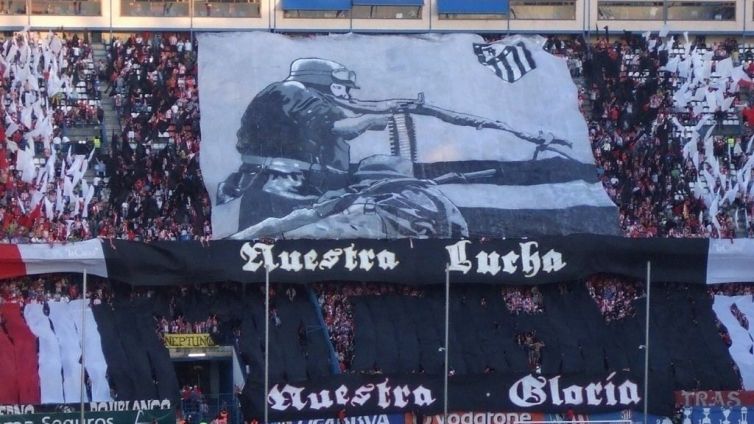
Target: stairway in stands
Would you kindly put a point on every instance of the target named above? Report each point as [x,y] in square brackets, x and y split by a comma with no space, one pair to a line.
[75,129]
[111,123]
[585,103]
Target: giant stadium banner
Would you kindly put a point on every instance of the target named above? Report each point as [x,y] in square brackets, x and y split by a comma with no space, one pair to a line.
[131,351]
[423,394]
[523,261]
[42,346]
[355,136]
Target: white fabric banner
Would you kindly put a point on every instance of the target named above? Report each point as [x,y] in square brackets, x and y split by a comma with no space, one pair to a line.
[730,261]
[540,196]
[71,257]
[63,320]
[741,348]
[94,358]
[311,118]
[50,366]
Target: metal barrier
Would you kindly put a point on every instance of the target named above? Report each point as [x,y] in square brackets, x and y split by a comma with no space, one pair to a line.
[208,407]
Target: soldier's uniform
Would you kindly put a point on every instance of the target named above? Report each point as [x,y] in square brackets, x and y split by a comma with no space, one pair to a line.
[296,168]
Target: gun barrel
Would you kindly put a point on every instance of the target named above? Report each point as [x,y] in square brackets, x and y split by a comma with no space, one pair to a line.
[487,173]
[453,177]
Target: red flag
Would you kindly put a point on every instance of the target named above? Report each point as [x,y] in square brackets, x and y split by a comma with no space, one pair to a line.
[8,218]
[27,220]
[24,221]
[36,213]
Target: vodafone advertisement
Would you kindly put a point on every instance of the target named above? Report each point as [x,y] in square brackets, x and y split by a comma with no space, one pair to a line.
[524,417]
[484,418]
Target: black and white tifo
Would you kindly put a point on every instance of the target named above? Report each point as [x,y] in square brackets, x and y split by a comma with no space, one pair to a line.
[354,136]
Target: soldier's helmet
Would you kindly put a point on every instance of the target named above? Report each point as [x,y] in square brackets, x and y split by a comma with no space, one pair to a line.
[321,72]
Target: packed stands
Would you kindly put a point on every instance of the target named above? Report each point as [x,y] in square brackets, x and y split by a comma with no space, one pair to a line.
[156,187]
[50,86]
[147,187]
[647,113]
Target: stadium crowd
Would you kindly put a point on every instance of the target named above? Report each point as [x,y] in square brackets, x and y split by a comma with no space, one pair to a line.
[649,161]
[53,288]
[48,84]
[614,296]
[527,300]
[156,189]
[337,312]
[148,185]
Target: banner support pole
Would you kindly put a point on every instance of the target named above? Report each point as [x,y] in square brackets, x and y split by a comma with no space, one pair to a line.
[447,342]
[429,5]
[83,346]
[266,340]
[508,20]
[646,344]
[111,26]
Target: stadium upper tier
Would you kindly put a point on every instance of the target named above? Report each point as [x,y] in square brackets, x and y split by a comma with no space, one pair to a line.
[716,16]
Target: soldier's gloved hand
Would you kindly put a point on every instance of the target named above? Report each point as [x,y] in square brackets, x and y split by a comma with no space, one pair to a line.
[546,137]
[407,105]
[549,138]
[482,124]
[379,122]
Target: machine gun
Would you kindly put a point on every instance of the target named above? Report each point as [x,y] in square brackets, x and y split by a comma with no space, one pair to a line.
[403,131]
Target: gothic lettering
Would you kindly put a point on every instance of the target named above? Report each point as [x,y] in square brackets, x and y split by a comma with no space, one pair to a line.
[525,259]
